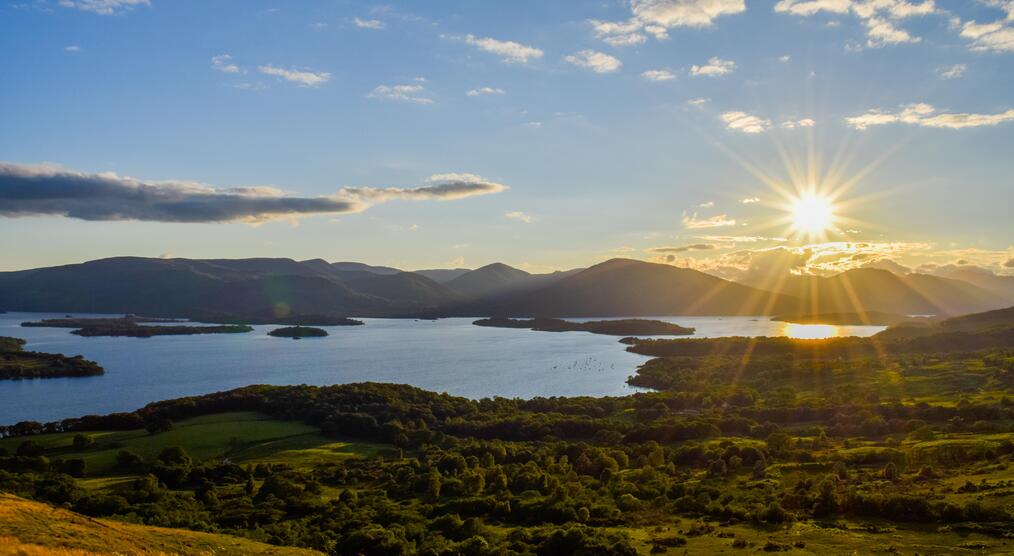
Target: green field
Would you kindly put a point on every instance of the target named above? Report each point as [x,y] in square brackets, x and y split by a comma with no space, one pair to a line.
[239,437]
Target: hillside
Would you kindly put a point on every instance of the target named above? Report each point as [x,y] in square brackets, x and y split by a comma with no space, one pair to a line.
[626,287]
[489,280]
[32,528]
[999,285]
[211,288]
[869,289]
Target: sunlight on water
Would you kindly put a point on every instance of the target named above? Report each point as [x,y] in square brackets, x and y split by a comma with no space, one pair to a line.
[812,331]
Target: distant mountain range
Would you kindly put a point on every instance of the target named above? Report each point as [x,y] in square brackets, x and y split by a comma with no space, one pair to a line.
[276,288]
[871,289]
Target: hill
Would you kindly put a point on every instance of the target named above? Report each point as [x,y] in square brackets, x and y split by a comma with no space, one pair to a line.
[212,288]
[983,278]
[626,287]
[870,289]
[441,275]
[32,528]
[488,280]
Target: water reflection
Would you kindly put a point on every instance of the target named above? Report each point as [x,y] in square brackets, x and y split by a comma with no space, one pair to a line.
[813,331]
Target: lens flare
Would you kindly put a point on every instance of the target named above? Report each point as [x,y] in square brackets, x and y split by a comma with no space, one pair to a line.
[812,214]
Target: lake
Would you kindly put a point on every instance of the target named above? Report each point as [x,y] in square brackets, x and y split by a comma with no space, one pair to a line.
[446,355]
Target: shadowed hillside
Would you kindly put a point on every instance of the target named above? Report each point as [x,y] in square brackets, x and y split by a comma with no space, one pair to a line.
[869,289]
[625,287]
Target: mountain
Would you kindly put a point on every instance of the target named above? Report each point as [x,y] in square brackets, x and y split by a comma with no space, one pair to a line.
[871,289]
[999,285]
[406,288]
[213,287]
[441,275]
[625,287]
[488,280]
[346,266]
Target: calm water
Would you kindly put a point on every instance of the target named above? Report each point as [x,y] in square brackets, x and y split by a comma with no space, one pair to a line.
[447,355]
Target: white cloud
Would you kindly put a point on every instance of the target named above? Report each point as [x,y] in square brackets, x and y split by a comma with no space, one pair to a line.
[72,48]
[692,222]
[223,63]
[683,13]
[714,68]
[997,36]
[952,72]
[698,102]
[510,51]
[482,91]
[519,216]
[374,24]
[794,124]
[925,115]
[400,93]
[706,204]
[745,123]
[656,17]
[878,16]
[750,200]
[658,75]
[784,59]
[104,7]
[619,34]
[599,62]
[882,32]
[304,78]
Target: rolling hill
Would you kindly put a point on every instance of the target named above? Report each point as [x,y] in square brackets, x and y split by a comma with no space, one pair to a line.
[626,287]
[870,289]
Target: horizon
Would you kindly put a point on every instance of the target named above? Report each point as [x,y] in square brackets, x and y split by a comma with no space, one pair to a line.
[554,136]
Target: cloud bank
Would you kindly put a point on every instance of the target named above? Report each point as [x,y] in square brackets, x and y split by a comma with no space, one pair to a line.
[27,190]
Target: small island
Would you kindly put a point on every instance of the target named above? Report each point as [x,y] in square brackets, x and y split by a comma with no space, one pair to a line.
[297,332]
[621,327]
[869,318]
[132,327]
[17,364]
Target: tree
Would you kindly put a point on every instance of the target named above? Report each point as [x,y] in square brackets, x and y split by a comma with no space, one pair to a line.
[127,459]
[156,426]
[82,442]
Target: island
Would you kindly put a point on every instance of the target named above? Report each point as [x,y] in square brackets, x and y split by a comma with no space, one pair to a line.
[132,327]
[869,318]
[297,332]
[17,364]
[621,327]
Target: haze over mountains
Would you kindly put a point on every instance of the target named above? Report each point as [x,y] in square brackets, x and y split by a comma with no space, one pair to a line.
[266,287]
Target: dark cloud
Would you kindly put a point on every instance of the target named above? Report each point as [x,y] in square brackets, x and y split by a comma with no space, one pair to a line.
[44,190]
[1009,263]
[685,248]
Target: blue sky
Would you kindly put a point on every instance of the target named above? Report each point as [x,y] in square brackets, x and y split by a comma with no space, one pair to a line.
[618,128]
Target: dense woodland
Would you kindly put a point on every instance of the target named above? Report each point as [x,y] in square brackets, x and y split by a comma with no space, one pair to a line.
[727,450]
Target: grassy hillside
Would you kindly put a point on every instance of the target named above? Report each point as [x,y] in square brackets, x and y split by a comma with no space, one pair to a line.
[31,528]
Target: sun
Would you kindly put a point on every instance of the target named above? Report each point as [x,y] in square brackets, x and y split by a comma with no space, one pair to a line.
[812,214]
